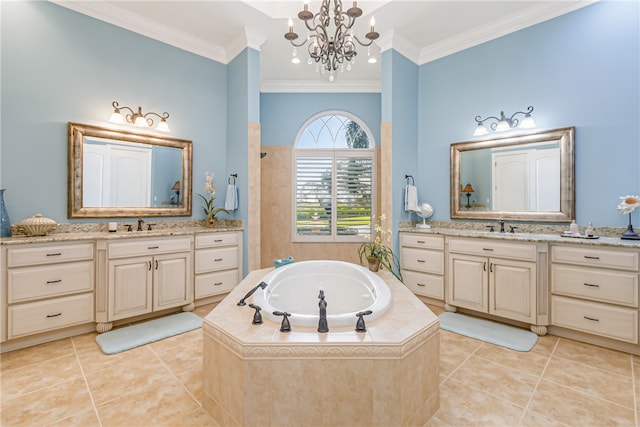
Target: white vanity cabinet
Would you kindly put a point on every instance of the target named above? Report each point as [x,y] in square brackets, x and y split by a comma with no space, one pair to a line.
[494,277]
[144,276]
[422,264]
[595,291]
[218,263]
[47,287]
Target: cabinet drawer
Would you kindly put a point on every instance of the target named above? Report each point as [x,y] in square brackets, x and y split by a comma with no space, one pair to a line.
[148,247]
[51,280]
[422,260]
[492,248]
[36,255]
[424,284]
[216,259]
[595,318]
[216,283]
[32,318]
[625,260]
[619,287]
[216,239]
[422,241]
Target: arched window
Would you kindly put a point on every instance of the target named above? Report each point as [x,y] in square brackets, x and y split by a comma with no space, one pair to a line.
[334,179]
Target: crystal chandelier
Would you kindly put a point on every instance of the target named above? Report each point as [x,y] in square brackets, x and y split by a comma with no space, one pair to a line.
[330,46]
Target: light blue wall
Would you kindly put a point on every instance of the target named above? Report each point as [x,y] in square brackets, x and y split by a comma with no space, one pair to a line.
[581,69]
[283,114]
[243,76]
[60,66]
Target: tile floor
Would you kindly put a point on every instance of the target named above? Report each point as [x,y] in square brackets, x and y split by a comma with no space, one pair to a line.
[560,382]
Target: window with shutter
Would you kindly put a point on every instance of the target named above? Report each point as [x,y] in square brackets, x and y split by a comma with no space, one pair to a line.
[334,180]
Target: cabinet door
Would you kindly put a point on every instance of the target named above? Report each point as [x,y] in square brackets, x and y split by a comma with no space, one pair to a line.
[130,287]
[172,280]
[512,287]
[468,279]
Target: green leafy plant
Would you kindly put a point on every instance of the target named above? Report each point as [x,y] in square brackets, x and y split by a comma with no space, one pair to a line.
[377,248]
[209,209]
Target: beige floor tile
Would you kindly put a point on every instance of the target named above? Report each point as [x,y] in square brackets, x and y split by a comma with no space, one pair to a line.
[203,310]
[47,405]
[85,342]
[534,419]
[545,345]
[575,408]
[464,405]
[35,354]
[532,363]
[450,359]
[594,381]
[501,381]
[128,378]
[93,359]
[85,418]
[169,405]
[611,360]
[192,380]
[35,376]
[460,342]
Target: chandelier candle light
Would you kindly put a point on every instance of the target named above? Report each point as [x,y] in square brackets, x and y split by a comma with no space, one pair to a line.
[330,47]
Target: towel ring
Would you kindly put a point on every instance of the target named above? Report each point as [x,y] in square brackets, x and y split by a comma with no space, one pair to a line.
[234,176]
[409,179]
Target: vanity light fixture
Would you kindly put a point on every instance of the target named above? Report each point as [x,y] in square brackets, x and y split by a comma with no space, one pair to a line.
[137,118]
[331,39]
[505,123]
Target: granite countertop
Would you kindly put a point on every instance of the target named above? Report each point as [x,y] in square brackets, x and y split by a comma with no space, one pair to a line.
[82,232]
[523,237]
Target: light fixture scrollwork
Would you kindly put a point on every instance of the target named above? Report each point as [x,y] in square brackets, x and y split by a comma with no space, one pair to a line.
[504,123]
[331,51]
[138,118]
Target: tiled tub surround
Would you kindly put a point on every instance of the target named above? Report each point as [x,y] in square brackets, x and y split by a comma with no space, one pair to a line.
[256,375]
[61,284]
[585,289]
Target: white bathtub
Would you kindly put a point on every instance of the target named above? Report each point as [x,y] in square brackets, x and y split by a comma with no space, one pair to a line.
[348,289]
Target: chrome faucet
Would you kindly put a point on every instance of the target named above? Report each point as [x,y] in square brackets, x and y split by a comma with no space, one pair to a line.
[322,323]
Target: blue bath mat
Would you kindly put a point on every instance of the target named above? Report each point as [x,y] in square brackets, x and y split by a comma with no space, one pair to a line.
[488,331]
[123,339]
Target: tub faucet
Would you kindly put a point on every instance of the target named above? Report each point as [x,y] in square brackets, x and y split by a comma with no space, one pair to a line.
[360,326]
[286,325]
[261,285]
[322,323]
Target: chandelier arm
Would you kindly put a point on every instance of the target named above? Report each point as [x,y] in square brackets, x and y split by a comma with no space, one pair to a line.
[361,43]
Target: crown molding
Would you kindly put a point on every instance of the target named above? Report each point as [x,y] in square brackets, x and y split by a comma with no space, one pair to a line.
[391,40]
[248,39]
[539,13]
[320,86]
[112,14]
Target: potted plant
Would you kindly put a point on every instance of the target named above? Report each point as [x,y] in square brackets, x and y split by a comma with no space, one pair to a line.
[377,251]
[209,209]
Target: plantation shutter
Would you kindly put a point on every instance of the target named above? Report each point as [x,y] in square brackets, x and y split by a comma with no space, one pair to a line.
[313,195]
[354,192]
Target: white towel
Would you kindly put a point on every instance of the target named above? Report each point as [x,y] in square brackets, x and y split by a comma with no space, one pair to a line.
[410,198]
[231,201]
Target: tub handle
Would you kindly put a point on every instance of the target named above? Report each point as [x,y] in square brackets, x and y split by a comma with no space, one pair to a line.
[360,326]
[257,317]
[286,325]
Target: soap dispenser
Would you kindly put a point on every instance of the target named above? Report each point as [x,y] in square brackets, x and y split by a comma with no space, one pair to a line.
[589,231]
[575,231]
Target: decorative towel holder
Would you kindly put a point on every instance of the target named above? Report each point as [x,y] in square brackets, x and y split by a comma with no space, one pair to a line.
[233,176]
[409,179]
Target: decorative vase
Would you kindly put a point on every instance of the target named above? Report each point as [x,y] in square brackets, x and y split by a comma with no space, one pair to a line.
[5,231]
[374,263]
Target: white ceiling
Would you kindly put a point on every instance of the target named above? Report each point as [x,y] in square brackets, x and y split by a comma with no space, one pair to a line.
[422,30]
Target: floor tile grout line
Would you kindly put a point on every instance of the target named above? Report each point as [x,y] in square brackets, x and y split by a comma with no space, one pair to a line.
[173,374]
[535,388]
[608,371]
[86,383]
[462,363]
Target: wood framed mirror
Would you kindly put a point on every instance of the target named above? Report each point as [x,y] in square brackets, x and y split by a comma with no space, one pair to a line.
[114,173]
[525,177]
